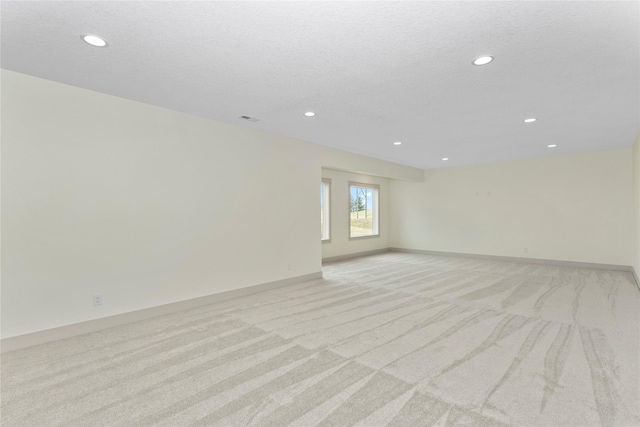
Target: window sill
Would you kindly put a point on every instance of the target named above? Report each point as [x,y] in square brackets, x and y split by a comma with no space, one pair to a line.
[372,236]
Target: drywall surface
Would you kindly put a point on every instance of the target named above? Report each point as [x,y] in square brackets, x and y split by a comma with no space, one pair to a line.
[339,222]
[636,205]
[349,162]
[568,208]
[143,205]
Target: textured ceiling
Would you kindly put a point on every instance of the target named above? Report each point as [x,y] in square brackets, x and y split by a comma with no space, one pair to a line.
[374,72]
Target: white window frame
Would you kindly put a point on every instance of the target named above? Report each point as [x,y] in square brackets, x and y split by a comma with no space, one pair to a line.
[375,210]
[325,208]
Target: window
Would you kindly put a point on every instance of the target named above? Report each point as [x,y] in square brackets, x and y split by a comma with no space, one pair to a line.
[363,210]
[325,193]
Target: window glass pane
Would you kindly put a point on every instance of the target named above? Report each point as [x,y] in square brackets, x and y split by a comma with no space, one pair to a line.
[363,215]
[324,210]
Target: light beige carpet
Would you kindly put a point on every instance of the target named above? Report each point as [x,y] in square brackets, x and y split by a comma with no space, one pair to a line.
[394,339]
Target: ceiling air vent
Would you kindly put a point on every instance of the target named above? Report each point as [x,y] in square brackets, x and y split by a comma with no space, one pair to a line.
[250,119]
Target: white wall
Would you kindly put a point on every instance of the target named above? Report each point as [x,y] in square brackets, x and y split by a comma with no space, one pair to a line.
[636,205]
[145,205]
[340,243]
[149,206]
[332,158]
[570,208]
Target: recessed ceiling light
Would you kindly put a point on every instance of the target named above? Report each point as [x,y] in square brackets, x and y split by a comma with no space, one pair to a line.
[445,158]
[309,114]
[482,60]
[95,41]
[397,143]
[552,145]
[531,120]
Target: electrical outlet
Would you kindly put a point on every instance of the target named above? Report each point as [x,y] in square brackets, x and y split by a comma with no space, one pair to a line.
[526,250]
[97,299]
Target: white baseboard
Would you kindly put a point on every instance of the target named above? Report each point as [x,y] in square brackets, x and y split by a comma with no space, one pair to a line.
[353,255]
[518,259]
[81,328]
